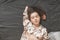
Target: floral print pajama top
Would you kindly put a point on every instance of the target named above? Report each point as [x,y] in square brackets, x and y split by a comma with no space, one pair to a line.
[31,33]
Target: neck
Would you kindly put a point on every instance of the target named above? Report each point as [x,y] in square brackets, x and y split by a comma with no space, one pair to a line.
[37,25]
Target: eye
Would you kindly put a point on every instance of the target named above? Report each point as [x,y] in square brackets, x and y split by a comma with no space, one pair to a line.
[37,16]
[32,17]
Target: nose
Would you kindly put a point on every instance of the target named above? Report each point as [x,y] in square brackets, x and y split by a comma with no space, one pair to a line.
[35,18]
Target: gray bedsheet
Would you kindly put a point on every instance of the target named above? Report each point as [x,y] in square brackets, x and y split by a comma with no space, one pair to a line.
[11,21]
[54,35]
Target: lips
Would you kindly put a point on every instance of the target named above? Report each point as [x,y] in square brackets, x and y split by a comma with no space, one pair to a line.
[36,21]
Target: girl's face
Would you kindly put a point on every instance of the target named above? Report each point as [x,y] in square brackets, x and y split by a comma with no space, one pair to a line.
[35,18]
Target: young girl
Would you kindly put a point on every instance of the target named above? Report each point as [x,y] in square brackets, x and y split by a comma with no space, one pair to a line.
[33,30]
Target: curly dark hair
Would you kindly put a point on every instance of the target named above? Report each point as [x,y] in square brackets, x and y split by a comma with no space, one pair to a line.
[35,9]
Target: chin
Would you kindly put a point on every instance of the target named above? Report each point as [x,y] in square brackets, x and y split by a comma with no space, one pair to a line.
[36,24]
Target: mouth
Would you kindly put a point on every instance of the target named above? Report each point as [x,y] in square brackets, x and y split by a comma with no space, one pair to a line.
[36,22]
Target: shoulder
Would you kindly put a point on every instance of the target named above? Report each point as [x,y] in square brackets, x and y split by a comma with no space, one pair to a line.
[44,29]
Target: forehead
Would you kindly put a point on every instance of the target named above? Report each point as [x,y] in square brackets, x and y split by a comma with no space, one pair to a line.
[34,14]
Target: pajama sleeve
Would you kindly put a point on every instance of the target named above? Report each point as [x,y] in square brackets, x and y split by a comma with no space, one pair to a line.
[25,17]
[45,35]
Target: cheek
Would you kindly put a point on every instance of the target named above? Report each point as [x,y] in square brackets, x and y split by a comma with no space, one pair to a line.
[39,18]
[32,20]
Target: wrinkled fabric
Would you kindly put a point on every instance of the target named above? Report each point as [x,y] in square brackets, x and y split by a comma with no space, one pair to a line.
[54,35]
[11,16]
[38,33]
